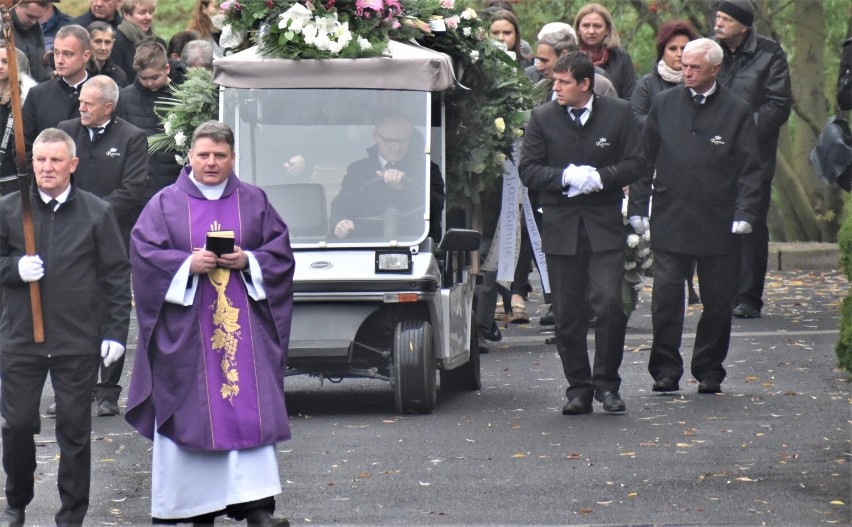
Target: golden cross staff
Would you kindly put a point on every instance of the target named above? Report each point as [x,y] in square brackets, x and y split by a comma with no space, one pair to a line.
[23,177]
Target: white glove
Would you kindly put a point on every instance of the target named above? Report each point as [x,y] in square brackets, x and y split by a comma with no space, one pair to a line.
[582,180]
[741,227]
[111,351]
[31,268]
[640,224]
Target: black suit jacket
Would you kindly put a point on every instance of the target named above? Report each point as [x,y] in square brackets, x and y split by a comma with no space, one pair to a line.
[351,202]
[708,171]
[114,167]
[609,141]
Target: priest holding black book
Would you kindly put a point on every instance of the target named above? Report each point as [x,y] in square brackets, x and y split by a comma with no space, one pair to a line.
[213,282]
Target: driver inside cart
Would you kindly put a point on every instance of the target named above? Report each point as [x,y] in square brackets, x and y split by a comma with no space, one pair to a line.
[387,184]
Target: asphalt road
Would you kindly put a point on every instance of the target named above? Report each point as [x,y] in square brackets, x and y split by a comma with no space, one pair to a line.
[774,449]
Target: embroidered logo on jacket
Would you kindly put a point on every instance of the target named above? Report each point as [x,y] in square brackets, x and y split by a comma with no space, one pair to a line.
[717,140]
[113,152]
[602,142]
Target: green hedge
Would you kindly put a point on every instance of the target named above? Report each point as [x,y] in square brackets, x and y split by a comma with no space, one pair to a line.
[844,343]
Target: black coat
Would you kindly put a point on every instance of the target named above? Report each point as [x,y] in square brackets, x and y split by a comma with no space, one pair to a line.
[87,18]
[114,167]
[8,167]
[648,86]
[85,264]
[113,72]
[31,42]
[351,202]
[759,74]
[707,172]
[136,105]
[48,104]
[609,141]
[620,71]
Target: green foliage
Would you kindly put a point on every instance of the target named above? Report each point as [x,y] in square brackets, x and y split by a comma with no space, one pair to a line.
[194,102]
[844,344]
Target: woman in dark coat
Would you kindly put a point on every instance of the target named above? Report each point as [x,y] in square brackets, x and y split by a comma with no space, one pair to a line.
[599,39]
[668,72]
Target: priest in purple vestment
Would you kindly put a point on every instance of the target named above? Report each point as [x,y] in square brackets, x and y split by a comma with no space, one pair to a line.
[207,384]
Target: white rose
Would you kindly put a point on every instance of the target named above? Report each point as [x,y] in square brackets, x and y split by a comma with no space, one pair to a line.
[179,160]
[180,138]
[466,31]
[648,263]
[643,252]
[322,42]
[334,47]
[167,126]
[629,265]
[474,56]
[364,43]
[468,14]
[633,240]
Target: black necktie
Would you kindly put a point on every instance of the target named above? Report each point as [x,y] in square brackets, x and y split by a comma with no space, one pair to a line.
[97,131]
[699,99]
[51,205]
[577,113]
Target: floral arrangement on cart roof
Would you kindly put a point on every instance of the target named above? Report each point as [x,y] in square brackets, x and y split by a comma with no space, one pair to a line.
[485,113]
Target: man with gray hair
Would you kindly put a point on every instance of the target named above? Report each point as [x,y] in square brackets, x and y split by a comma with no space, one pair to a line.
[554,40]
[198,54]
[79,247]
[755,68]
[113,166]
[701,140]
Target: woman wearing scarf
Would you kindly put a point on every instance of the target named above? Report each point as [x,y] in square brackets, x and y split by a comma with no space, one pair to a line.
[599,40]
[668,72]
[136,27]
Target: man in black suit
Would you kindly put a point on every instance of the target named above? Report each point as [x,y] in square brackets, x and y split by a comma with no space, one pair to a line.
[701,139]
[388,179]
[113,165]
[579,151]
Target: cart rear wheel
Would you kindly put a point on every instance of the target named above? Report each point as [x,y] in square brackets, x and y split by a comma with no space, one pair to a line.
[465,377]
[414,367]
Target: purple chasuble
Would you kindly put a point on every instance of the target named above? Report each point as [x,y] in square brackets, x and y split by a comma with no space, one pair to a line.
[210,375]
[226,331]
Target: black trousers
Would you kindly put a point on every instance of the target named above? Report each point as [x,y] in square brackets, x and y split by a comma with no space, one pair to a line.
[22,379]
[713,335]
[108,386]
[571,277]
[754,254]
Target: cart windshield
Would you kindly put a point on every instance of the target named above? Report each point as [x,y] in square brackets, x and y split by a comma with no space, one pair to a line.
[341,166]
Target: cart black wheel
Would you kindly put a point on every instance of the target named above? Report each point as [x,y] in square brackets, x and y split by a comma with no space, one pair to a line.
[415,386]
[466,377]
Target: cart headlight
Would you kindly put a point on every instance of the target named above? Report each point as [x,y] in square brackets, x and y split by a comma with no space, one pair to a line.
[393,262]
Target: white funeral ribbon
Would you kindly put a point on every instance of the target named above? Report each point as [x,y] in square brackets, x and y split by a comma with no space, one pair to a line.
[503,253]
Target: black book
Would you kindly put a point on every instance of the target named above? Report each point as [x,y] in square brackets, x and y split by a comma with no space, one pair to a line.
[220,242]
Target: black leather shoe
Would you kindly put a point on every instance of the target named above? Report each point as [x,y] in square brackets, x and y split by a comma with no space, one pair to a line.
[265,518]
[709,386]
[547,319]
[12,517]
[577,405]
[612,403]
[107,407]
[483,345]
[665,384]
[746,311]
[493,334]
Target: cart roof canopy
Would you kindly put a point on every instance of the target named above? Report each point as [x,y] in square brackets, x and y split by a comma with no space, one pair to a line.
[408,67]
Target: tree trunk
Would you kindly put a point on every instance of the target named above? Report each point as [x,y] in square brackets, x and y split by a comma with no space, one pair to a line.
[811,107]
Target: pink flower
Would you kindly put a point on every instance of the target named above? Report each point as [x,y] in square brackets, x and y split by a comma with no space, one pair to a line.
[375,5]
[393,7]
[448,4]
[227,4]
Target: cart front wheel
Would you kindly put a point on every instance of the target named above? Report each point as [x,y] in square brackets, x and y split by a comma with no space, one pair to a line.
[414,367]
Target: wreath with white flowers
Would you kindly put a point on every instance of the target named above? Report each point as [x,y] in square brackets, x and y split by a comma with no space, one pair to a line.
[485,115]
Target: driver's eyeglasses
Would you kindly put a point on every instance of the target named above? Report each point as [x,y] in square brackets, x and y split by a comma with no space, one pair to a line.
[392,142]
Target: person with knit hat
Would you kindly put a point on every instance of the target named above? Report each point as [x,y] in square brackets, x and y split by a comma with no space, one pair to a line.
[755,68]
